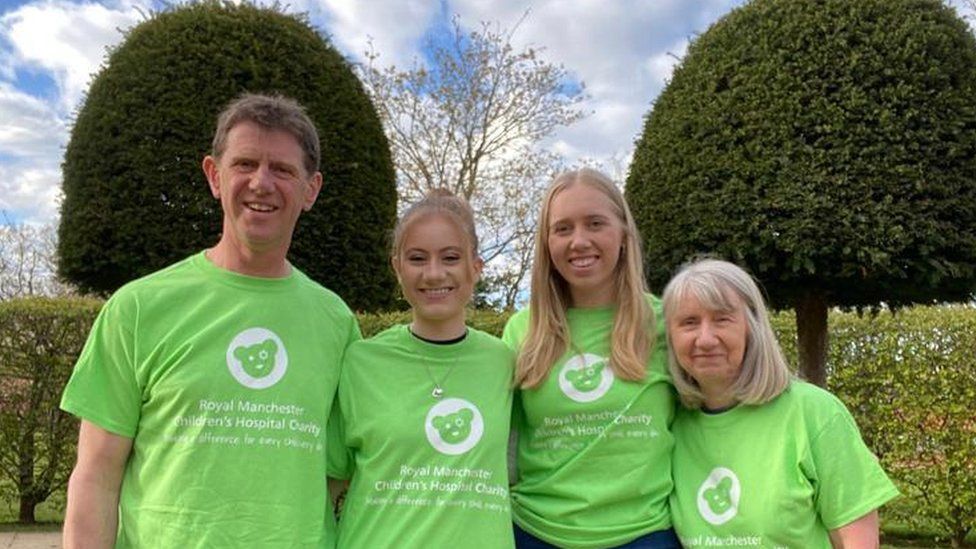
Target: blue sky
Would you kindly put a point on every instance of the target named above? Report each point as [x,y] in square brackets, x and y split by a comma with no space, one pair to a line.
[624,50]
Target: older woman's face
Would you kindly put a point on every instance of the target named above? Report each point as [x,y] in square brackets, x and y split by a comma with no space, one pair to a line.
[709,344]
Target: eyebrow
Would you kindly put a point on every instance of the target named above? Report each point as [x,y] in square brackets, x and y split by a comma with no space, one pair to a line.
[442,250]
[587,217]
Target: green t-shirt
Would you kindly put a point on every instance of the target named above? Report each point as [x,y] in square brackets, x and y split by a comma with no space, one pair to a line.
[594,451]
[224,382]
[782,474]
[426,472]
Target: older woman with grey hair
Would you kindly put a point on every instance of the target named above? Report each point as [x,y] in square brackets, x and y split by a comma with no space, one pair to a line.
[761,458]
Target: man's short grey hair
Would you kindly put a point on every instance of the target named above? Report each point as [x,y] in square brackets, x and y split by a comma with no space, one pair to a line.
[272,112]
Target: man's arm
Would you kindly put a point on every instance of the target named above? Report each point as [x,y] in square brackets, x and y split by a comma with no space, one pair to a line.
[92,515]
[860,534]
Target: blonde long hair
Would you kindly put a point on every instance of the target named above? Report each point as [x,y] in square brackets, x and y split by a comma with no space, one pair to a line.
[548,335]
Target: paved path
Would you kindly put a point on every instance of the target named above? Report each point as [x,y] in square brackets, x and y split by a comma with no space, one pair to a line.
[30,540]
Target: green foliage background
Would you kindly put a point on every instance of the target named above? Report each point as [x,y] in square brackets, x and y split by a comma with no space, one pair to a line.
[827,145]
[40,340]
[135,197]
[910,380]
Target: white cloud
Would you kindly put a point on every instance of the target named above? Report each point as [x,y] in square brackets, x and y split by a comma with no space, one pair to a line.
[31,127]
[396,27]
[623,50]
[66,39]
[29,191]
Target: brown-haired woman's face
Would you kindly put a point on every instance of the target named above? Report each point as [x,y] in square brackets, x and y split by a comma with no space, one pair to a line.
[436,269]
[585,237]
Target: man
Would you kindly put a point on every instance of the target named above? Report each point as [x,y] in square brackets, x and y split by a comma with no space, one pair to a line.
[204,389]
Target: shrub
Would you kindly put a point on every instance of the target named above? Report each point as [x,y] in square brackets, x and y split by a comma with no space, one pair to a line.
[41,339]
[488,321]
[910,380]
[828,146]
[135,197]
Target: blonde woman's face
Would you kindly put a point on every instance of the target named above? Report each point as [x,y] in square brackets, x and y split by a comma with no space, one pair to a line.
[585,237]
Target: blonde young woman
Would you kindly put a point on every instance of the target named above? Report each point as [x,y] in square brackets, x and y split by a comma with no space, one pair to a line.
[595,402]
[425,407]
[761,459]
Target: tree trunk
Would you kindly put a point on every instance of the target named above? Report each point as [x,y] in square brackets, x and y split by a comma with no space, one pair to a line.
[959,539]
[811,333]
[27,505]
[25,457]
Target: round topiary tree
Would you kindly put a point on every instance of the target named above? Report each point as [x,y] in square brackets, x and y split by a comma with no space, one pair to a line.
[135,197]
[829,147]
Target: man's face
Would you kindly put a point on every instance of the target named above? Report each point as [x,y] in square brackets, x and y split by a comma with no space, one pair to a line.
[262,186]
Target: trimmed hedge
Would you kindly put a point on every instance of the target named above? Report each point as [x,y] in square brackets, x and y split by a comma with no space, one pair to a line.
[909,379]
[41,339]
[828,146]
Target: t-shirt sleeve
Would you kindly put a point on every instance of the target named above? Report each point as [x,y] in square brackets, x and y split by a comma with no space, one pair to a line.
[339,458]
[354,333]
[104,387]
[849,482]
[514,331]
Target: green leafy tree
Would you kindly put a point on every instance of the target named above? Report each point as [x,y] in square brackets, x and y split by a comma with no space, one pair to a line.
[829,147]
[135,197]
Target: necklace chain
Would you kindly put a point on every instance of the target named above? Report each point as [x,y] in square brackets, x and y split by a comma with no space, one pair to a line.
[438,390]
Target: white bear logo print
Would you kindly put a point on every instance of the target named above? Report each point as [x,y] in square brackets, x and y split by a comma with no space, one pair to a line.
[454,426]
[586,377]
[257,358]
[718,496]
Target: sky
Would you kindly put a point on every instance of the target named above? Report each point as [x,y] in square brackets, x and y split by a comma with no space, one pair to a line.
[623,50]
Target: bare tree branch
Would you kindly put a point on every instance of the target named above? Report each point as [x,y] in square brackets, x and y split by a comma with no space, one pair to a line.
[472,121]
[27,260]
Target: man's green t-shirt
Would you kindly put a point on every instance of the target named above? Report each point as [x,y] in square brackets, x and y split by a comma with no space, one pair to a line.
[782,474]
[426,471]
[594,451]
[224,382]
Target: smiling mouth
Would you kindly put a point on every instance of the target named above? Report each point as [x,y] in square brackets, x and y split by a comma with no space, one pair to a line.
[582,262]
[258,207]
[436,292]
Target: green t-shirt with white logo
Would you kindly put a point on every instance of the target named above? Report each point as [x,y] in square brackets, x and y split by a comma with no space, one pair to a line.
[782,474]
[224,382]
[425,471]
[594,451]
